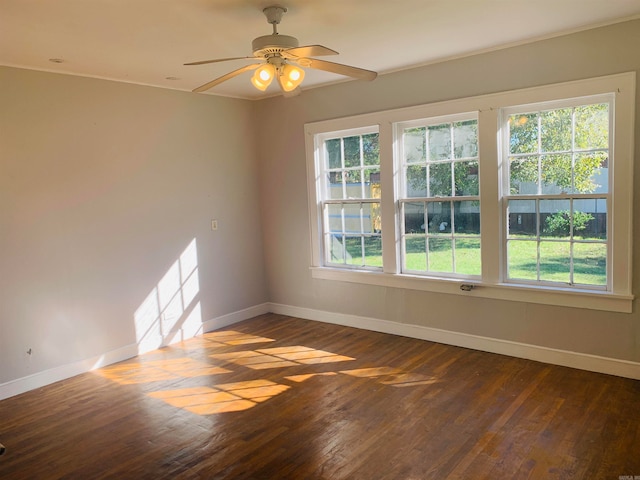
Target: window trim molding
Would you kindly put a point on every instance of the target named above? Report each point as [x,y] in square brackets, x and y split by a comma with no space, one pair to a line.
[619,299]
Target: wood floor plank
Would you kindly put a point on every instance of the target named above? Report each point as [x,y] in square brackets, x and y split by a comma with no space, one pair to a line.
[277,397]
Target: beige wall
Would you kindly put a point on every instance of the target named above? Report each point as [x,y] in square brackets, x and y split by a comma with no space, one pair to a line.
[102,186]
[603,51]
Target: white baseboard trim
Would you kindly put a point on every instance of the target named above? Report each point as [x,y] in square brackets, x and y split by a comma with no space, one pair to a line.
[235,317]
[47,377]
[582,361]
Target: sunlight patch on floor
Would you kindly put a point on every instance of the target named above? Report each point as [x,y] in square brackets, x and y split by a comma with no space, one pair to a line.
[158,370]
[280,357]
[228,397]
[239,396]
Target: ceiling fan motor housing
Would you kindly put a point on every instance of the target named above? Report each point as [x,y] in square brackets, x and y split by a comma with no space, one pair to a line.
[272,44]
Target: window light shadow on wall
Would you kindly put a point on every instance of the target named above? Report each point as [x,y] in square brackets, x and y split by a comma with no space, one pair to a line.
[171,311]
[225,352]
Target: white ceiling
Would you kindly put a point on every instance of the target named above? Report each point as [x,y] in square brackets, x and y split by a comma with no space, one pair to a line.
[147,41]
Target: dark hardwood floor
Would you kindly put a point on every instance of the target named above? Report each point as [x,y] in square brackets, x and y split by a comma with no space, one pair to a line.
[282,398]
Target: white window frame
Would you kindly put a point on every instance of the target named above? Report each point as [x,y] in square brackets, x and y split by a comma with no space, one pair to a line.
[617,298]
[403,199]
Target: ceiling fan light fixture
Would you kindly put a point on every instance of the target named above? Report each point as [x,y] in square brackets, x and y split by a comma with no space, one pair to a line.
[277,51]
[290,77]
[263,76]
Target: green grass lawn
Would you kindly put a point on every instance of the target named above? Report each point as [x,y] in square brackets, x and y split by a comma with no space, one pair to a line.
[589,259]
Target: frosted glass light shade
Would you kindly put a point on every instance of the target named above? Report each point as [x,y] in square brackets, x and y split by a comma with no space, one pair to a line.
[290,77]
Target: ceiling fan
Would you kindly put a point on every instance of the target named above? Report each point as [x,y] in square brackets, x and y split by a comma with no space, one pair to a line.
[281,59]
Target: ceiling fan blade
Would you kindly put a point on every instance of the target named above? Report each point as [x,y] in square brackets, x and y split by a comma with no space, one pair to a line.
[355,72]
[226,77]
[203,62]
[308,51]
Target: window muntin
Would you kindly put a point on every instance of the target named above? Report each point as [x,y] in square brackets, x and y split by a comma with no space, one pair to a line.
[558,194]
[439,201]
[351,227]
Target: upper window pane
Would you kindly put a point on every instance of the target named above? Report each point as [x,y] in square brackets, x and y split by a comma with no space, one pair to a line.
[523,133]
[353,167]
[555,130]
[465,139]
[592,127]
[466,178]
[333,155]
[416,180]
[352,152]
[371,149]
[441,160]
[414,145]
[439,142]
[559,151]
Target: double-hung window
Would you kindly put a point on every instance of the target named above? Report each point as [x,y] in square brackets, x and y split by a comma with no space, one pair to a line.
[523,195]
[350,199]
[439,196]
[557,192]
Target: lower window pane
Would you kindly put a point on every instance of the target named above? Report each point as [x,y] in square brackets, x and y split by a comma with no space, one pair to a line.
[467,217]
[373,251]
[590,263]
[590,219]
[415,253]
[555,219]
[334,217]
[335,249]
[439,217]
[555,262]
[440,255]
[468,256]
[354,250]
[413,217]
[522,258]
[353,218]
[522,218]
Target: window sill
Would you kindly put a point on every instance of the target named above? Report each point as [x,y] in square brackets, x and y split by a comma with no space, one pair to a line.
[564,297]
